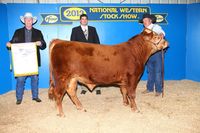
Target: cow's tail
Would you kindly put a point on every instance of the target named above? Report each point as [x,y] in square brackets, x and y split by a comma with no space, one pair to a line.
[51,86]
[51,79]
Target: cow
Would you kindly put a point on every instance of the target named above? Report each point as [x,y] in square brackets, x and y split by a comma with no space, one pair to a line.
[121,65]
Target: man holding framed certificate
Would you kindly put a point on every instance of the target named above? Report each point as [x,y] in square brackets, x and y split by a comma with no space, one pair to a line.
[25,45]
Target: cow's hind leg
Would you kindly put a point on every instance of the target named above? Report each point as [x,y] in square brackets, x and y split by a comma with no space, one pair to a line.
[59,92]
[51,91]
[124,95]
[71,90]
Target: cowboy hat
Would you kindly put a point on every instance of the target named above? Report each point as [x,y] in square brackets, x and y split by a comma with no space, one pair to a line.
[28,15]
[146,15]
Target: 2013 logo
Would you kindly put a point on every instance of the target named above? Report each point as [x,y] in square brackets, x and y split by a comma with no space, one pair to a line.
[73,13]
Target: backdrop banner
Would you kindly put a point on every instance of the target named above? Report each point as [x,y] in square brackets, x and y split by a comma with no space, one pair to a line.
[68,14]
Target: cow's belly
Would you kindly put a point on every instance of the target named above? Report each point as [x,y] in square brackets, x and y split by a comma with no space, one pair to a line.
[91,82]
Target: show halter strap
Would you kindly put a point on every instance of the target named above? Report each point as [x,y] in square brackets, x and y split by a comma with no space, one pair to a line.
[162,73]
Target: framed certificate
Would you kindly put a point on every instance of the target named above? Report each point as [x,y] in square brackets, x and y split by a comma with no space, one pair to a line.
[24,58]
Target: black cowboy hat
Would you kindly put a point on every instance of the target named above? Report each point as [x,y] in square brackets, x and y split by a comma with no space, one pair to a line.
[147,15]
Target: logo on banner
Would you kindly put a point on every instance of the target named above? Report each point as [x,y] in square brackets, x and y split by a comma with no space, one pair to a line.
[51,19]
[160,17]
[67,15]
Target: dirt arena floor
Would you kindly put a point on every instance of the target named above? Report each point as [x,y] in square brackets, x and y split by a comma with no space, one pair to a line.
[177,112]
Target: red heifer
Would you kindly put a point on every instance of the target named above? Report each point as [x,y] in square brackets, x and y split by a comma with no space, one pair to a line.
[93,65]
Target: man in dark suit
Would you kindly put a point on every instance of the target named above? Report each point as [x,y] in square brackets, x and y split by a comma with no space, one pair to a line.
[23,35]
[85,33]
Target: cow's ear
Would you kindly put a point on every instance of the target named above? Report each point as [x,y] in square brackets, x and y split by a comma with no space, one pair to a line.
[147,30]
[147,34]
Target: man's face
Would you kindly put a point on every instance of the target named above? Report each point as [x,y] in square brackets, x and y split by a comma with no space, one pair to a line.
[28,22]
[147,22]
[84,21]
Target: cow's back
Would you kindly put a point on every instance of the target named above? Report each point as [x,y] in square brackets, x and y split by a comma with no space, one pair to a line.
[96,63]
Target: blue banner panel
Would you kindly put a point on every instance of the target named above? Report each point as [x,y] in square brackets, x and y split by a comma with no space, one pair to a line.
[5,75]
[193,43]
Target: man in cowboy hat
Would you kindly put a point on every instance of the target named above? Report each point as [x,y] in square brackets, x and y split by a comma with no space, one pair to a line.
[23,35]
[154,64]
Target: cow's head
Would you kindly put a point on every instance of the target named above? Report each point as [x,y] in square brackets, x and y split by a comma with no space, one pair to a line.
[157,41]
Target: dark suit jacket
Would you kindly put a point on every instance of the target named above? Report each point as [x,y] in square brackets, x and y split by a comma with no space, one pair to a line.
[19,37]
[78,35]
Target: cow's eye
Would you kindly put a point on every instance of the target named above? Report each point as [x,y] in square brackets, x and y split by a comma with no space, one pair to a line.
[156,37]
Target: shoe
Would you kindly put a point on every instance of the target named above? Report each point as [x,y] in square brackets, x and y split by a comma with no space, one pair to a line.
[157,94]
[98,92]
[146,91]
[83,91]
[37,100]
[19,102]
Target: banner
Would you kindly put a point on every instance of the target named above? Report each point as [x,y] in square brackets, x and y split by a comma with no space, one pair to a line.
[24,57]
[67,14]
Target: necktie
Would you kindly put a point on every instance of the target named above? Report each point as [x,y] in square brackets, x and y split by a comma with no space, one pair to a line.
[85,33]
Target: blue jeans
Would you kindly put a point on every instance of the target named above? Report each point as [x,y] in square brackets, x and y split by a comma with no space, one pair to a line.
[21,83]
[154,69]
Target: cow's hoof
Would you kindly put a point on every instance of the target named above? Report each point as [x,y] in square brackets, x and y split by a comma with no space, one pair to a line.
[61,115]
[79,108]
[84,110]
[125,104]
[135,110]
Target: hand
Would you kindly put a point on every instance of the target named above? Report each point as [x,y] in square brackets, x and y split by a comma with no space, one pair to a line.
[38,43]
[8,44]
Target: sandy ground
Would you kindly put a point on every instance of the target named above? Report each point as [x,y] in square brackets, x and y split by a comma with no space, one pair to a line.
[177,112]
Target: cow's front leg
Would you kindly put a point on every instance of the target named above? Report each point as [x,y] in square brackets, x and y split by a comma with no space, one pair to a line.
[132,102]
[71,90]
[131,96]
[124,95]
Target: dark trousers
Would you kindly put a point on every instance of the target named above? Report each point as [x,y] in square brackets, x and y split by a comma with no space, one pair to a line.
[21,83]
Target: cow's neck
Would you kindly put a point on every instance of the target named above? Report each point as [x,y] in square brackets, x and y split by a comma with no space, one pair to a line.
[142,50]
[145,52]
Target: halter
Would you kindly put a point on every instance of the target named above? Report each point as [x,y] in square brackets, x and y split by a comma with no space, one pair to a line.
[155,44]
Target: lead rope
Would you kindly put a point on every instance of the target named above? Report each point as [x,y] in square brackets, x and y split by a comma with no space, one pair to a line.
[162,67]
[162,73]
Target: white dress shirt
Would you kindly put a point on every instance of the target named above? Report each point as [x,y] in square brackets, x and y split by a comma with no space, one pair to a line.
[84,27]
[156,28]
[85,31]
